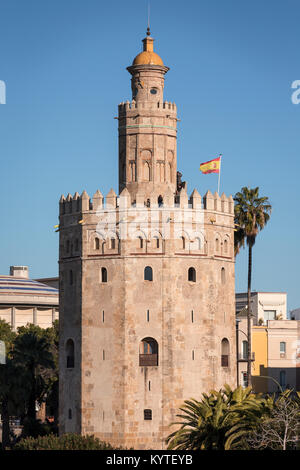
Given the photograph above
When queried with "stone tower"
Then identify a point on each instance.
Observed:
(147, 310)
(147, 129)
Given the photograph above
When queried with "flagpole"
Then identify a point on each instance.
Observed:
(219, 174)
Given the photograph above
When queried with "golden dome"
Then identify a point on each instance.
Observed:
(147, 57)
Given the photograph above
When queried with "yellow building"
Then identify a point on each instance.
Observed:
(260, 363)
(275, 355)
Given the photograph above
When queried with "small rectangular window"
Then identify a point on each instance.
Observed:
(192, 316)
(193, 355)
(282, 347)
(103, 316)
(244, 379)
(103, 275)
(147, 415)
(103, 355)
(269, 315)
(148, 315)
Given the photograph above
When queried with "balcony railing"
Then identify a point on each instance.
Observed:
(244, 357)
(148, 359)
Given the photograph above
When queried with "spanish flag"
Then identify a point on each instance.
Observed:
(213, 166)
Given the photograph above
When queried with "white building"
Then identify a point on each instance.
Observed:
(24, 300)
(264, 306)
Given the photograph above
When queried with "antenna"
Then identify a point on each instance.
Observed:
(148, 23)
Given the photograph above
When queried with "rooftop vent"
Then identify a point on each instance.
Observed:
(19, 271)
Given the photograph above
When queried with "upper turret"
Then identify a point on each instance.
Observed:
(147, 72)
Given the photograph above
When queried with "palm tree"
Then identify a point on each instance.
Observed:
(32, 352)
(220, 421)
(251, 215)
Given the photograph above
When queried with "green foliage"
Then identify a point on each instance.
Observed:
(29, 375)
(64, 442)
(35, 428)
(220, 421)
(7, 335)
(32, 352)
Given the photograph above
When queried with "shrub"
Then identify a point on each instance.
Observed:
(35, 428)
(64, 442)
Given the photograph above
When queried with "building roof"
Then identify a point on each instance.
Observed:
(148, 56)
(15, 289)
(259, 292)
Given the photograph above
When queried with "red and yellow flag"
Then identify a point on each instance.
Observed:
(213, 166)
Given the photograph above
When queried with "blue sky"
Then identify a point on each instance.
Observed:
(231, 68)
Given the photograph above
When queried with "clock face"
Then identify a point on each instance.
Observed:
(153, 91)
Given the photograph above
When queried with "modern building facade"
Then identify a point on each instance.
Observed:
(24, 300)
(275, 344)
(147, 306)
(264, 306)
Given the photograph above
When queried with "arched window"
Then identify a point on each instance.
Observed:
(282, 378)
(70, 413)
(148, 352)
(245, 349)
(112, 243)
(103, 275)
(160, 201)
(217, 245)
(132, 171)
(68, 246)
(147, 175)
(70, 353)
(192, 274)
(198, 244)
(225, 246)
(76, 244)
(71, 280)
(97, 244)
(183, 242)
(223, 276)
(141, 242)
(148, 273)
(225, 352)
(155, 242)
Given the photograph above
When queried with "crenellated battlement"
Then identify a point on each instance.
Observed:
(130, 105)
(83, 203)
